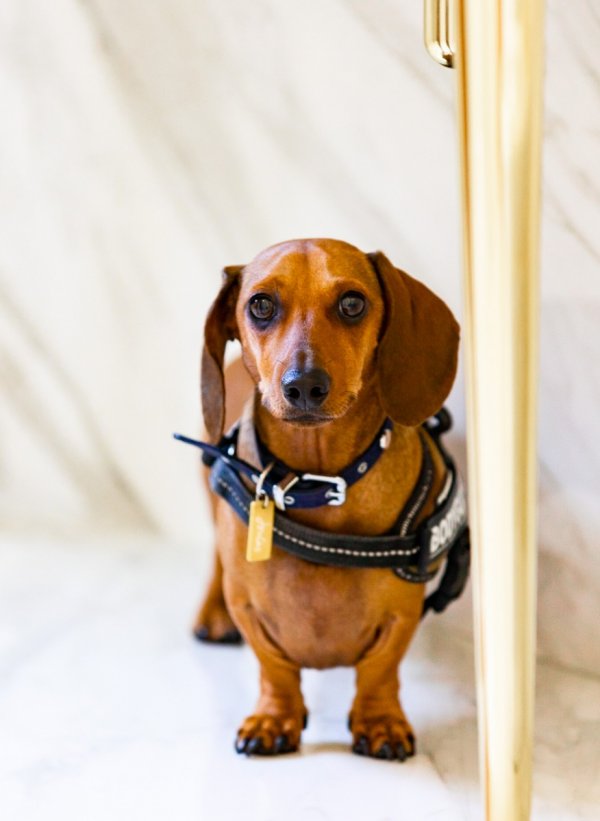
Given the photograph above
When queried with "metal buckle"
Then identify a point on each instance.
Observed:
(279, 497)
(337, 494)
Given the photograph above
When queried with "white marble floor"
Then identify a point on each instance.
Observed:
(110, 711)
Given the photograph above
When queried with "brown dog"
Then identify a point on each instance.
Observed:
(334, 341)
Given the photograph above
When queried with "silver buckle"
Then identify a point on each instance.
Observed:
(336, 494)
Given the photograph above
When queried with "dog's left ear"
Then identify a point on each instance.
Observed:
(418, 350)
(219, 328)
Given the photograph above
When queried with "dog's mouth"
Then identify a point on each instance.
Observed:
(307, 419)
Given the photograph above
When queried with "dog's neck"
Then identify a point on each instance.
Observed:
(325, 449)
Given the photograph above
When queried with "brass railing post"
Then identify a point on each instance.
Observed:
(499, 51)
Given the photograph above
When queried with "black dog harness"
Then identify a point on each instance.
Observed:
(413, 554)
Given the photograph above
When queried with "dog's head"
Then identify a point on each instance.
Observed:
(319, 321)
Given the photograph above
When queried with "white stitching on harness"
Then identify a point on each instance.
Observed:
(415, 508)
(321, 548)
(233, 493)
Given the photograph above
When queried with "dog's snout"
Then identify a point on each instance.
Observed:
(305, 389)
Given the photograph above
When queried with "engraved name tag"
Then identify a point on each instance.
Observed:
(260, 531)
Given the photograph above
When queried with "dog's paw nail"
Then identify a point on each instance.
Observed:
(305, 721)
(385, 751)
(362, 746)
(241, 744)
(253, 746)
(400, 752)
(413, 744)
(281, 744)
(231, 637)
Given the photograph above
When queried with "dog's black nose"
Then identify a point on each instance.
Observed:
(305, 389)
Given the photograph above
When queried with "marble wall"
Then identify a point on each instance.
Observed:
(144, 145)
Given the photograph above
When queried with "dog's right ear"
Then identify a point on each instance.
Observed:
(219, 328)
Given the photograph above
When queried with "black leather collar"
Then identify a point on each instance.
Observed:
(290, 488)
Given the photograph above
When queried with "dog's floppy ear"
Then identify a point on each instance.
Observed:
(418, 350)
(220, 327)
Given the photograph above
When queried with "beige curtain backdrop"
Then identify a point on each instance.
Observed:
(145, 145)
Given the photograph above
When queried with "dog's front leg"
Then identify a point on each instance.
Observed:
(280, 714)
(377, 721)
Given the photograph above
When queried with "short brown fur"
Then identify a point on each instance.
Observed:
(399, 360)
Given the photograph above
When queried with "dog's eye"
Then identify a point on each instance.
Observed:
(262, 307)
(352, 304)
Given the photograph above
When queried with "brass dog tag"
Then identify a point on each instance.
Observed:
(260, 530)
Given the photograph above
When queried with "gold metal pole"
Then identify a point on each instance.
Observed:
(498, 56)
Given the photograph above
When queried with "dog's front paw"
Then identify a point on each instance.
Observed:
(389, 736)
(264, 734)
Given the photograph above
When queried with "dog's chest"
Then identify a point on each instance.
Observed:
(322, 616)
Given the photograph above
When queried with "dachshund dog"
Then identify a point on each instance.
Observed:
(333, 342)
